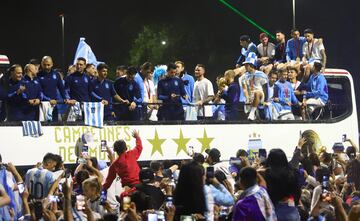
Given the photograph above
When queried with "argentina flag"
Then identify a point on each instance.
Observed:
(85, 51)
(94, 114)
(32, 128)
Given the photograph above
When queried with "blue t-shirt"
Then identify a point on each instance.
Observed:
(285, 93)
(294, 48)
(103, 90)
(317, 87)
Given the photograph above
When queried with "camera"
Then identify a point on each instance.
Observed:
(343, 137)
(169, 201)
(262, 154)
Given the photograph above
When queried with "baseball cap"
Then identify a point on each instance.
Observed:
(214, 154)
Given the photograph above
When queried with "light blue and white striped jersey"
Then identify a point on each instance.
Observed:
(39, 182)
(32, 128)
(94, 114)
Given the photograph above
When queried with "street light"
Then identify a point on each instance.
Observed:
(62, 17)
(293, 12)
(163, 42)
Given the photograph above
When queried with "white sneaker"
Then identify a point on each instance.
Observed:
(252, 115)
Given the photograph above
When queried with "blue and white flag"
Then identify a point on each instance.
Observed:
(84, 50)
(32, 128)
(94, 114)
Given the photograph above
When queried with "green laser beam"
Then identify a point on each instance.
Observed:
(246, 18)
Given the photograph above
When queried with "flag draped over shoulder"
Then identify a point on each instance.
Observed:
(84, 50)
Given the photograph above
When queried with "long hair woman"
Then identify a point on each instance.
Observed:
(189, 196)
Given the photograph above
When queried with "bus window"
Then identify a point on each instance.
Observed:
(339, 96)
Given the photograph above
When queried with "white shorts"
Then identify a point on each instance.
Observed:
(313, 103)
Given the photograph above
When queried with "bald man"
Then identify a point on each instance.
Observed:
(51, 83)
(25, 96)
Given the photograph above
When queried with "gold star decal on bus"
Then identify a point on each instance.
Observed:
(205, 141)
(156, 143)
(181, 142)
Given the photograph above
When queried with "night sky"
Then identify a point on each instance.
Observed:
(32, 29)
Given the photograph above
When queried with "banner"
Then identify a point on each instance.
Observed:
(166, 141)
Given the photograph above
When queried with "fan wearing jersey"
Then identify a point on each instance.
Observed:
(39, 180)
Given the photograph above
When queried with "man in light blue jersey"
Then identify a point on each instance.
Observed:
(316, 94)
(254, 84)
(145, 70)
(284, 96)
(294, 47)
(39, 180)
(187, 79)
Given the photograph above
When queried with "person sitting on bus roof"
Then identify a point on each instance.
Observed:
(294, 47)
(280, 52)
(317, 89)
(247, 46)
(284, 95)
(170, 90)
(254, 84)
(266, 52)
(24, 95)
(313, 49)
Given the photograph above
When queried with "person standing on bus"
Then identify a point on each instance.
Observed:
(231, 95)
(78, 84)
(203, 93)
(103, 90)
(51, 82)
(130, 97)
(24, 97)
(254, 84)
(316, 94)
(145, 69)
(187, 79)
(170, 90)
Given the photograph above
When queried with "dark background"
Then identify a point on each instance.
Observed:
(32, 28)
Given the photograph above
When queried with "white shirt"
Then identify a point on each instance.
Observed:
(267, 51)
(149, 90)
(202, 90)
(312, 50)
(114, 190)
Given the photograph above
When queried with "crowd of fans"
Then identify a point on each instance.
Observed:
(313, 185)
(272, 82)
